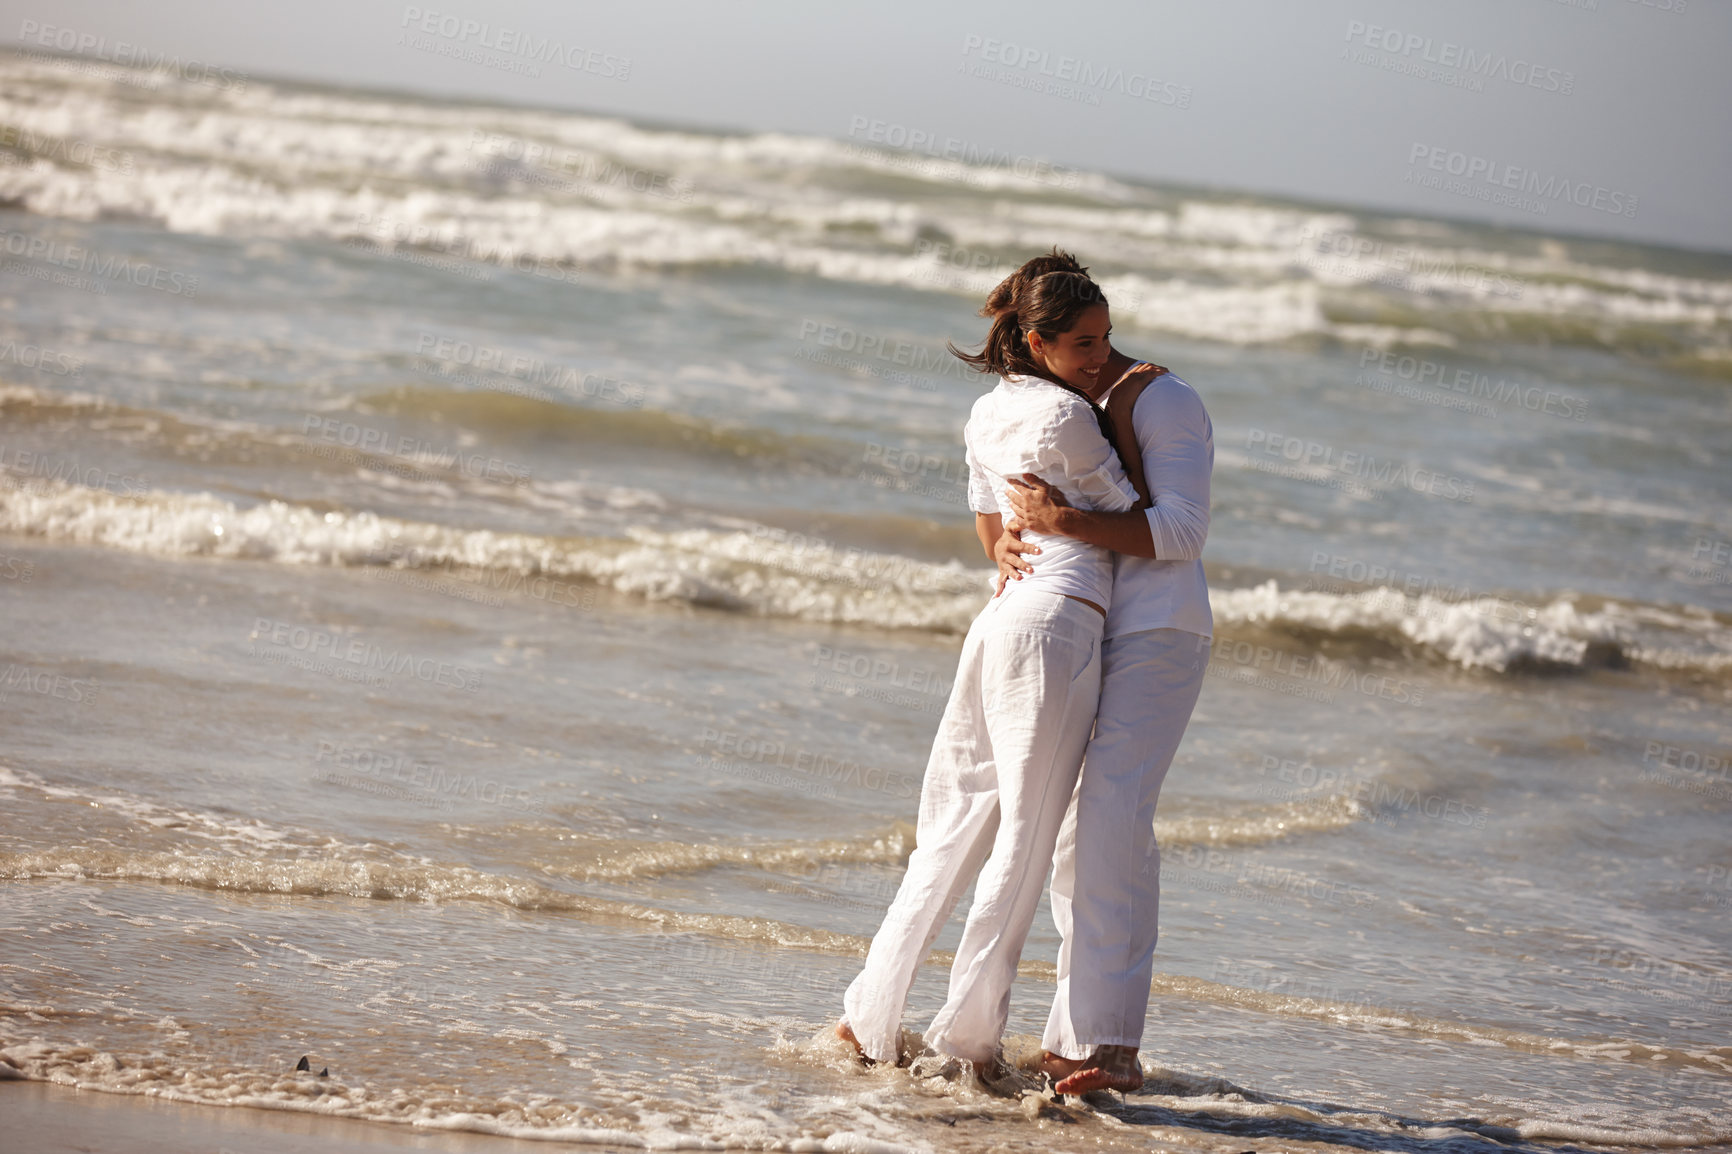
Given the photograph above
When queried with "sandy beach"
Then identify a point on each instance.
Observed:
(47, 1119)
(486, 546)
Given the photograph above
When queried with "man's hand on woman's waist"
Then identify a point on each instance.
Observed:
(1040, 508)
(1038, 505)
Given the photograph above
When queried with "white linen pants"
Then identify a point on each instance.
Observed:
(1000, 777)
(1106, 887)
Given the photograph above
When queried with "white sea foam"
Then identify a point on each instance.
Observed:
(888, 1106)
(638, 1121)
(743, 571)
(768, 573)
(1235, 314)
(232, 833)
(1491, 632)
(271, 160)
(1179, 1091)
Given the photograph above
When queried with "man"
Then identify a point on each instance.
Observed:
(1106, 882)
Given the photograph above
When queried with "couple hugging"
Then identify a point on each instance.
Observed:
(1073, 690)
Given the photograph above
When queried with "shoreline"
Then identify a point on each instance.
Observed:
(50, 1118)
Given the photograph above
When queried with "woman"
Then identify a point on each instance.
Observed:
(1011, 741)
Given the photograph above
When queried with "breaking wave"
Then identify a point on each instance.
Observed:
(772, 572)
(471, 188)
(1495, 633)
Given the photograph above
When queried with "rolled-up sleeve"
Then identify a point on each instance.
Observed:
(1076, 452)
(980, 495)
(1178, 444)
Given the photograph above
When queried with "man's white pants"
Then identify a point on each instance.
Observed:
(1000, 777)
(1106, 887)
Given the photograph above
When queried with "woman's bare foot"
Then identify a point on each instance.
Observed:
(846, 1032)
(1111, 1068)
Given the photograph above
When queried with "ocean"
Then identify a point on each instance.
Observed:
(478, 585)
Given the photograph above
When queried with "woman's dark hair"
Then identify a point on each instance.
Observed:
(1047, 295)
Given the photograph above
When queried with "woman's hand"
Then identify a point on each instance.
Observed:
(1007, 551)
(1139, 375)
(1037, 504)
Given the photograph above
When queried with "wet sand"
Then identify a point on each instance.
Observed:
(48, 1119)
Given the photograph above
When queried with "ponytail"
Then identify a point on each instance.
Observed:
(1046, 295)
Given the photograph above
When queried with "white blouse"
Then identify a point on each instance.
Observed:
(1027, 425)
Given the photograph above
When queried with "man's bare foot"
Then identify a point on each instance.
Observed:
(846, 1032)
(1111, 1068)
(1058, 1068)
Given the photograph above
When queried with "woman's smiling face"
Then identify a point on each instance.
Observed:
(1078, 357)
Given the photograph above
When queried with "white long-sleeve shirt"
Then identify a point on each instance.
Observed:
(1178, 446)
(1026, 425)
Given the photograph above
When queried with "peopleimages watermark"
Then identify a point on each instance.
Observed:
(1497, 182)
(497, 46)
(349, 658)
(64, 150)
(1270, 981)
(42, 359)
(1667, 981)
(771, 761)
(830, 561)
(1446, 62)
(1310, 676)
(913, 470)
(1276, 883)
(1348, 469)
(441, 248)
(334, 982)
(43, 683)
(454, 356)
(405, 778)
(444, 247)
(568, 169)
(847, 364)
(1718, 553)
(1436, 383)
(878, 679)
(874, 890)
(924, 151)
(1672, 6)
(332, 437)
(737, 960)
(1405, 266)
(1690, 770)
(1290, 781)
(955, 266)
(1067, 77)
(86, 268)
(409, 564)
(40, 472)
(880, 355)
(1426, 597)
(1719, 885)
(93, 48)
(464, 590)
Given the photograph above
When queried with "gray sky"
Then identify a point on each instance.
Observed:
(1626, 100)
